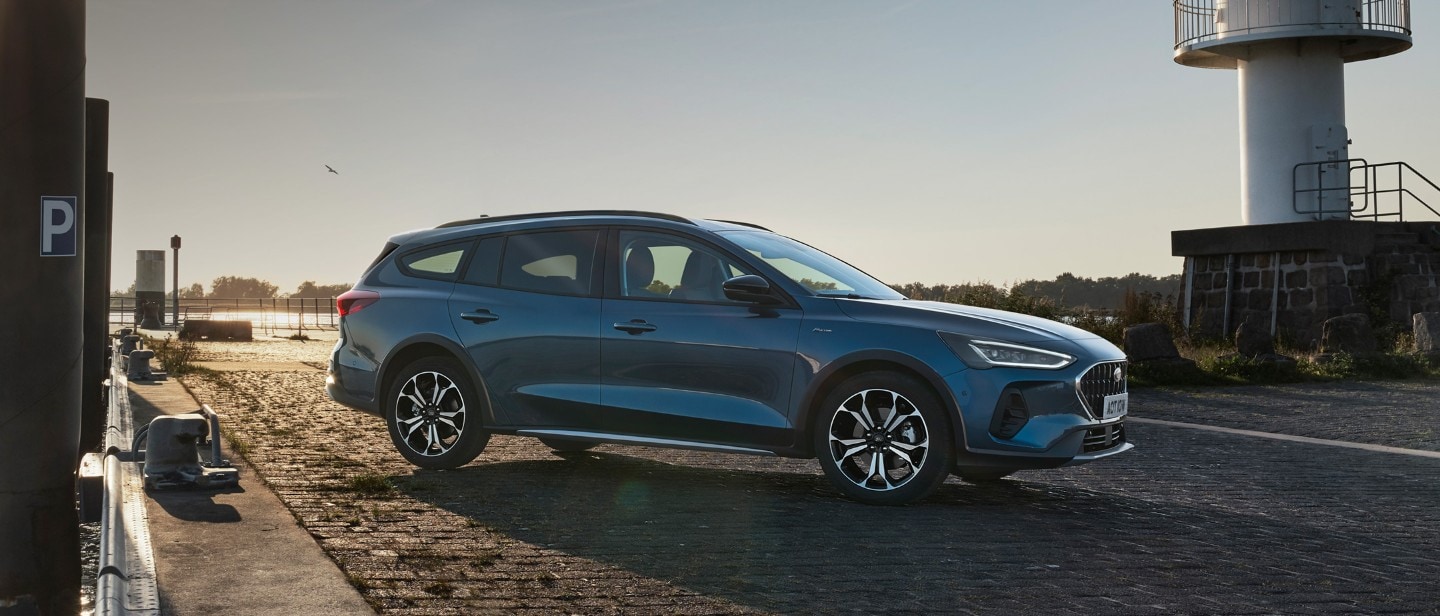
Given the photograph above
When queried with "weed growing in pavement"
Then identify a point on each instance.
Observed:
(440, 589)
(177, 356)
(486, 558)
(370, 484)
(238, 445)
(547, 578)
(358, 582)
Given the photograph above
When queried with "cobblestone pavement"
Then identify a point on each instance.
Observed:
(1191, 522)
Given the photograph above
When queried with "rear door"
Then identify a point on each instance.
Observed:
(528, 312)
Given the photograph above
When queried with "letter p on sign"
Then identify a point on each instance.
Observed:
(57, 226)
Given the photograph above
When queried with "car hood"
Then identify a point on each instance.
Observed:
(962, 319)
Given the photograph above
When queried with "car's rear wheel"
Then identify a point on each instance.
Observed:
(884, 438)
(434, 416)
(564, 445)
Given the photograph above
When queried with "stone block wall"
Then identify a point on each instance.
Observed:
(1396, 272)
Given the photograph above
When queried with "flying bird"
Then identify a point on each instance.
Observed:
(331, 170)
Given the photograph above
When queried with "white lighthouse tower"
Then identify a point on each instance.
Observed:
(1291, 55)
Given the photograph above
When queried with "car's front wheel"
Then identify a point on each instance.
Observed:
(884, 438)
(434, 416)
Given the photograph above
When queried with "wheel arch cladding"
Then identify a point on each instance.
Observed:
(815, 396)
(416, 350)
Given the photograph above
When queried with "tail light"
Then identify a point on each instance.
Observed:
(355, 300)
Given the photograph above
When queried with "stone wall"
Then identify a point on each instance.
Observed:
(1392, 273)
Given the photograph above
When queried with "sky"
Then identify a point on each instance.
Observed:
(938, 141)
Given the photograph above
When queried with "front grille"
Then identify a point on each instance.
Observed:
(1100, 381)
(1104, 437)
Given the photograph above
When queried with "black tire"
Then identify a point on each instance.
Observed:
(853, 425)
(565, 445)
(985, 475)
(434, 414)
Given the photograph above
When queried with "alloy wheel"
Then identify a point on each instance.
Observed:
(878, 439)
(430, 413)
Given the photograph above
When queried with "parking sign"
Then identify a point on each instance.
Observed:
(57, 226)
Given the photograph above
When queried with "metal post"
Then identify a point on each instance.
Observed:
(97, 273)
(175, 282)
(42, 240)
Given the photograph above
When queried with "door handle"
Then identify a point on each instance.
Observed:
(635, 327)
(480, 316)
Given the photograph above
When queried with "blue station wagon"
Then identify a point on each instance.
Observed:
(636, 328)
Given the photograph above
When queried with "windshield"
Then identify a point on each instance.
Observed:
(818, 272)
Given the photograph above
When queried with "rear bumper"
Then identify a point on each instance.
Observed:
(338, 393)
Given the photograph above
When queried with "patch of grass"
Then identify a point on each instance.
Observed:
(370, 484)
(440, 589)
(547, 578)
(1216, 363)
(300, 337)
(486, 558)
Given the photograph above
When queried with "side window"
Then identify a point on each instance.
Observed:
(442, 262)
(550, 262)
(484, 267)
(662, 266)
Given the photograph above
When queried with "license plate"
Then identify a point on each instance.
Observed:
(1116, 406)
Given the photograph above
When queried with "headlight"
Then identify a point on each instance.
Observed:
(982, 354)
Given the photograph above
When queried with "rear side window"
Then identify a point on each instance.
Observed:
(551, 262)
(484, 266)
(442, 262)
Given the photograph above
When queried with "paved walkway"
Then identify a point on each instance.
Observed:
(1192, 522)
(235, 551)
(1256, 500)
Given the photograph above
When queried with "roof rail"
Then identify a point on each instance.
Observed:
(568, 213)
(743, 224)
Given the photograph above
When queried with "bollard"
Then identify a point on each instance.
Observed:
(138, 368)
(172, 452)
(128, 344)
(171, 455)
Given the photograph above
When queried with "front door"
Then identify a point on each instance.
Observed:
(680, 361)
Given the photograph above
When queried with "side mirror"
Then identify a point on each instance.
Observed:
(750, 288)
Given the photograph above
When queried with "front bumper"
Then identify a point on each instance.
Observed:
(1033, 419)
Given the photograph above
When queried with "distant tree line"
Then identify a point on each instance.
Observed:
(241, 287)
(1066, 291)
(1105, 306)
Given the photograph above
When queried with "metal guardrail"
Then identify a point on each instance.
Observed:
(125, 584)
(265, 313)
(1198, 21)
(1377, 194)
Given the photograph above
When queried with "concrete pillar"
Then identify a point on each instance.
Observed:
(97, 272)
(1292, 111)
(42, 157)
(150, 288)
